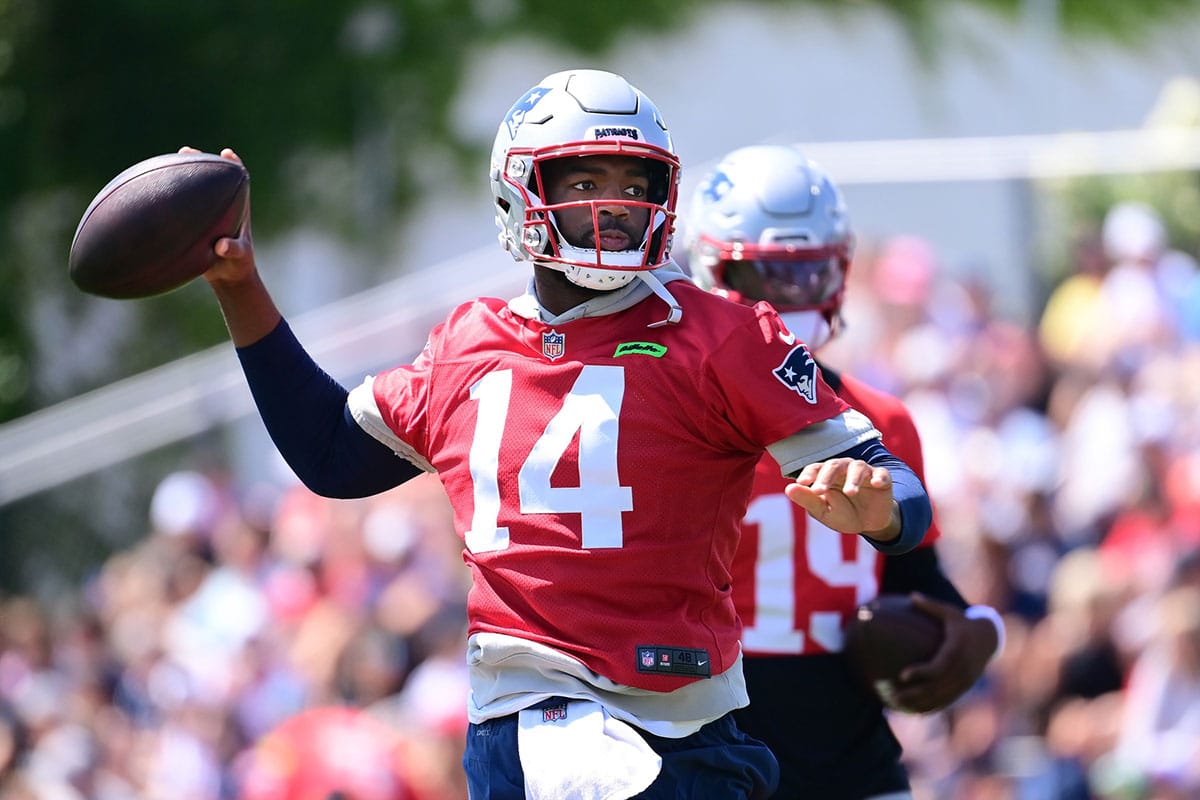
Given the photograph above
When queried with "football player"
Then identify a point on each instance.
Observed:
(767, 224)
(597, 438)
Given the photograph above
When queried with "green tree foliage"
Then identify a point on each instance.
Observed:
(323, 99)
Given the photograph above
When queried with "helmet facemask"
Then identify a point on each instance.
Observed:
(575, 252)
(806, 285)
(583, 114)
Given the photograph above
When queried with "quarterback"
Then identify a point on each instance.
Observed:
(597, 438)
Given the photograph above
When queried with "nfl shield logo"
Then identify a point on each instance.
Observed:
(647, 658)
(553, 345)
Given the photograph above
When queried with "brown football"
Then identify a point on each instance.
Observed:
(888, 634)
(152, 228)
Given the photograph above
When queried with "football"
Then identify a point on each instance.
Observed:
(152, 228)
(888, 634)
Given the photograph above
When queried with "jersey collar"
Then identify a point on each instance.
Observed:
(528, 307)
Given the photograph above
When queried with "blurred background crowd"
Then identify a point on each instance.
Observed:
(258, 640)
(179, 620)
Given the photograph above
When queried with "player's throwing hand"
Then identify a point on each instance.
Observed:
(848, 495)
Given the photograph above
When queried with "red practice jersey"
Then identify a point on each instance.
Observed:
(796, 582)
(599, 469)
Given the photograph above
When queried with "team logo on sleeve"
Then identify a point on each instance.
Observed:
(553, 344)
(799, 372)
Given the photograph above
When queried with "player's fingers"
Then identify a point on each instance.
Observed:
(887, 693)
(918, 701)
(832, 474)
(807, 475)
(907, 701)
(881, 478)
(228, 248)
(823, 505)
(858, 474)
(939, 669)
(244, 232)
(231, 155)
(935, 671)
(934, 608)
(186, 149)
(807, 498)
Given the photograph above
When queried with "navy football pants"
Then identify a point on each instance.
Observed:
(718, 762)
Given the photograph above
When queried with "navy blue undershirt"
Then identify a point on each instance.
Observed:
(305, 412)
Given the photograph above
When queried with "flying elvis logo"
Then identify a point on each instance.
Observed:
(613, 132)
(516, 114)
(716, 186)
(799, 372)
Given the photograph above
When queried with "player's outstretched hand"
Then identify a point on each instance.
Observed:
(235, 257)
(967, 646)
(848, 495)
(250, 312)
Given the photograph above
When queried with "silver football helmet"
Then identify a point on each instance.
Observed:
(581, 113)
(768, 224)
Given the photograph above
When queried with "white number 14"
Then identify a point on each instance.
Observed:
(591, 408)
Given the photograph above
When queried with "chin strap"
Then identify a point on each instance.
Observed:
(676, 313)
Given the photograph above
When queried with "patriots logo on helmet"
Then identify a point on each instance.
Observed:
(516, 114)
(717, 186)
(799, 372)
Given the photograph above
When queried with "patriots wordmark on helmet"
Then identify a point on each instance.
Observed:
(610, 131)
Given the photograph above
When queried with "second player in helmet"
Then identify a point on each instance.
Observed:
(768, 224)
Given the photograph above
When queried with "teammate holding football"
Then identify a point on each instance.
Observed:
(767, 224)
(597, 438)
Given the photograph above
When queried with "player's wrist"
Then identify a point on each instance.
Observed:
(890, 533)
(990, 614)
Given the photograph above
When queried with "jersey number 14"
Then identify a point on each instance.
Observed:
(592, 409)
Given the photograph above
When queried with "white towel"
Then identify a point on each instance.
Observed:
(577, 751)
